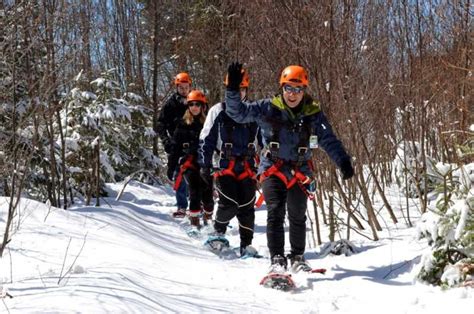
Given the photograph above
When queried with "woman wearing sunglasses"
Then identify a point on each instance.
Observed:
(292, 124)
(185, 144)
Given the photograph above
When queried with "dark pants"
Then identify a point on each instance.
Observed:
(199, 191)
(279, 199)
(236, 198)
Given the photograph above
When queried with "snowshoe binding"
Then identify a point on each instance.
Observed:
(298, 263)
(220, 246)
(278, 281)
(217, 243)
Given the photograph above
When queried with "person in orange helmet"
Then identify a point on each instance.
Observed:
(171, 114)
(184, 151)
(292, 124)
(231, 149)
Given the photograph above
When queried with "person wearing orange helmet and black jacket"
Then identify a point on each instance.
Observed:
(171, 114)
(291, 123)
(184, 151)
(173, 109)
(233, 147)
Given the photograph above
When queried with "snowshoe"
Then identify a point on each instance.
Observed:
(194, 232)
(179, 213)
(277, 277)
(217, 243)
(279, 281)
(249, 252)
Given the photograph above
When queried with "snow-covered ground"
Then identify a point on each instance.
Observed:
(129, 256)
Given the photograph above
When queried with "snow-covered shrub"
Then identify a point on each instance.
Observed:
(407, 170)
(449, 228)
(108, 122)
(23, 140)
(141, 135)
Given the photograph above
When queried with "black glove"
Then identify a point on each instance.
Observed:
(170, 173)
(235, 76)
(205, 174)
(346, 169)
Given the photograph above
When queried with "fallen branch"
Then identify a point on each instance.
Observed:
(75, 259)
(130, 177)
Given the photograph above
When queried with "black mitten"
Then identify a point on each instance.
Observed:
(235, 76)
(346, 169)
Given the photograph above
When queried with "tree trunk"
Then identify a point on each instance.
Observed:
(155, 77)
(373, 223)
(97, 191)
(316, 221)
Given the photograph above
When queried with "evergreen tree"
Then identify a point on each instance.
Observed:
(110, 123)
(449, 227)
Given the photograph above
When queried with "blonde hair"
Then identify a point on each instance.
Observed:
(189, 118)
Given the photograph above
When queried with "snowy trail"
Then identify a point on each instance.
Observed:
(136, 259)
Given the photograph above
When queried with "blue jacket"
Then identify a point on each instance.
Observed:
(279, 124)
(220, 130)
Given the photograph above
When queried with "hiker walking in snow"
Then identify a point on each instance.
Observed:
(233, 147)
(291, 123)
(184, 151)
(170, 115)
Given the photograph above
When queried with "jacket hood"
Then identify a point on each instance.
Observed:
(310, 106)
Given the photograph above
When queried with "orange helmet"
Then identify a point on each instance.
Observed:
(245, 79)
(182, 77)
(196, 95)
(294, 75)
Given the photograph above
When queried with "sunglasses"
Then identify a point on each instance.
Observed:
(194, 103)
(293, 89)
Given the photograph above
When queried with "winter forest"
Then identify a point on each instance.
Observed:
(82, 84)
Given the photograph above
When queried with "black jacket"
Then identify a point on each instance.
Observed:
(185, 142)
(171, 114)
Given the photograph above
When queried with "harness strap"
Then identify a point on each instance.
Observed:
(298, 178)
(188, 164)
(260, 199)
(247, 173)
(229, 171)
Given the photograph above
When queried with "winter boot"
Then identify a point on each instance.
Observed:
(298, 263)
(247, 251)
(179, 213)
(194, 218)
(279, 264)
(207, 217)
